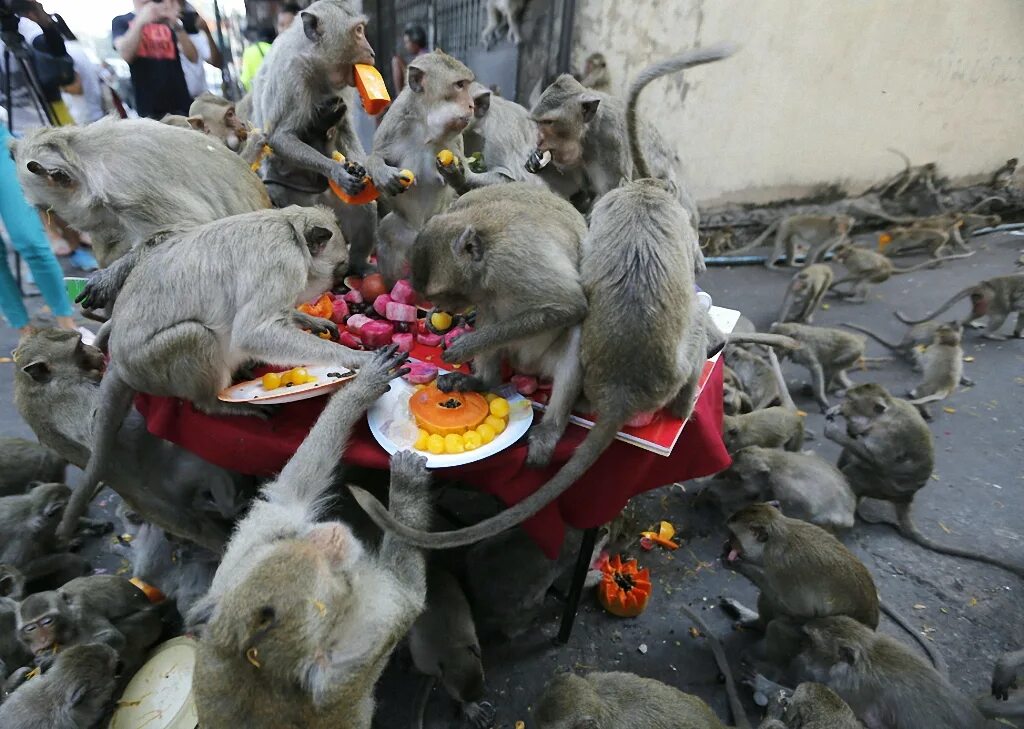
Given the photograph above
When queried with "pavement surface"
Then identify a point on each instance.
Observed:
(972, 612)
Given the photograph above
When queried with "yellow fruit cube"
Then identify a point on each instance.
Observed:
(499, 407)
(422, 438)
(446, 157)
(497, 423)
(454, 444)
(486, 432)
(435, 444)
(441, 321)
(472, 440)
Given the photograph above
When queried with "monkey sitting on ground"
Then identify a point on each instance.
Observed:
(827, 353)
(773, 427)
(883, 682)
(995, 298)
(755, 375)
(868, 267)
(806, 290)
(586, 130)
(205, 302)
(501, 13)
(215, 115)
(811, 706)
(301, 617)
(56, 390)
(595, 74)
(919, 335)
(22, 462)
(74, 694)
(888, 454)
(428, 116)
(444, 646)
(942, 365)
(123, 181)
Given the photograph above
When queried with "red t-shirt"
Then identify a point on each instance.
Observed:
(157, 77)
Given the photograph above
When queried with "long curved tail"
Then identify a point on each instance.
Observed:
(739, 716)
(956, 297)
(929, 648)
(115, 400)
(933, 262)
(673, 64)
(864, 330)
(757, 241)
(909, 530)
(585, 455)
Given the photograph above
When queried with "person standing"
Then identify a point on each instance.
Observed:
(414, 42)
(199, 33)
(151, 40)
(253, 57)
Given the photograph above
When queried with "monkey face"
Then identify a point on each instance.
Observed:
(562, 141)
(339, 33)
(948, 335)
(47, 355)
(48, 501)
(863, 405)
(443, 86)
(834, 641)
(445, 260)
(41, 624)
(750, 528)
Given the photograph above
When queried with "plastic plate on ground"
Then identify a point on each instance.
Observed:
(328, 379)
(395, 428)
(159, 696)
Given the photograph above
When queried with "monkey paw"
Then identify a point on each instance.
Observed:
(348, 178)
(454, 173)
(393, 183)
(543, 440)
(460, 350)
(98, 293)
(479, 715)
(383, 366)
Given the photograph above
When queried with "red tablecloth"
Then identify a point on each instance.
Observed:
(261, 448)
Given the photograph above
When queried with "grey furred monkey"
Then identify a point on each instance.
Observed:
(238, 306)
(301, 618)
(595, 73)
(28, 541)
(942, 367)
(56, 391)
(866, 268)
(811, 706)
(821, 233)
(826, 352)
(74, 694)
(772, 427)
(123, 181)
(806, 290)
(499, 13)
(997, 298)
(22, 462)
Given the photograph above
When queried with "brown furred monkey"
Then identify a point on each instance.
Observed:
(995, 298)
(811, 706)
(826, 352)
(821, 233)
(124, 181)
(868, 267)
(806, 290)
(301, 617)
(28, 541)
(772, 427)
(236, 283)
(889, 454)
(501, 13)
(595, 73)
(942, 365)
(216, 116)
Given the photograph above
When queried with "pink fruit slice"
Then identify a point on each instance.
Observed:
(404, 342)
(401, 312)
(420, 373)
(376, 333)
(525, 384)
(349, 340)
(356, 322)
(402, 292)
(380, 304)
(428, 339)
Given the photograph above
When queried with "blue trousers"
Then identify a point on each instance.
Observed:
(28, 238)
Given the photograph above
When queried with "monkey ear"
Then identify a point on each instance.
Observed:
(311, 26)
(880, 406)
(469, 245)
(77, 694)
(197, 123)
(8, 585)
(316, 239)
(36, 169)
(482, 104)
(38, 371)
(56, 174)
(415, 79)
(588, 106)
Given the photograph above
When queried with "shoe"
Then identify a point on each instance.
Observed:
(83, 260)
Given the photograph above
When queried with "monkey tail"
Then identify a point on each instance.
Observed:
(769, 340)
(422, 699)
(739, 715)
(990, 198)
(933, 654)
(878, 212)
(756, 242)
(787, 399)
(933, 262)
(864, 330)
(676, 63)
(115, 400)
(909, 530)
(585, 455)
(901, 155)
(956, 297)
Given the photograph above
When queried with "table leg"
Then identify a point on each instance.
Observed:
(579, 576)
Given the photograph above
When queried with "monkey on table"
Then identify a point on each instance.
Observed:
(22, 462)
(820, 233)
(888, 454)
(997, 298)
(826, 352)
(200, 305)
(123, 181)
(56, 391)
(806, 290)
(867, 268)
(75, 692)
(428, 116)
(301, 617)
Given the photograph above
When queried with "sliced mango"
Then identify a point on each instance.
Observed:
(371, 88)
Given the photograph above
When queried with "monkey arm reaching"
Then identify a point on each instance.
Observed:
(266, 339)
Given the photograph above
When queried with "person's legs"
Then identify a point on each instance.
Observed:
(10, 297)
(27, 237)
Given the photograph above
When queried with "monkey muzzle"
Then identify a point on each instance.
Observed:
(732, 552)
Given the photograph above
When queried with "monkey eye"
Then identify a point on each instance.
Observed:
(460, 85)
(46, 621)
(29, 628)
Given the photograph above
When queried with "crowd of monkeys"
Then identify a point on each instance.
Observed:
(295, 615)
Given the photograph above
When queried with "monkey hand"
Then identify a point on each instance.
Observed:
(454, 173)
(317, 325)
(459, 351)
(537, 161)
(99, 292)
(349, 177)
(543, 439)
(409, 495)
(834, 429)
(384, 366)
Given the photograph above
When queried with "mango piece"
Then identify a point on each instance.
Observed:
(407, 177)
(454, 444)
(486, 432)
(422, 438)
(441, 321)
(472, 440)
(435, 444)
(272, 380)
(499, 407)
(371, 88)
(446, 157)
(497, 423)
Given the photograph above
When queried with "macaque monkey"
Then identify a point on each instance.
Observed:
(124, 181)
(12, 653)
(942, 364)
(914, 239)
(584, 129)
(995, 298)
(755, 376)
(773, 427)
(1002, 177)
(595, 74)
(867, 268)
(301, 617)
(236, 307)
(1003, 703)
(919, 335)
(888, 454)
(826, 352)
(76, 692)
(444, 646)
(22, 462)
(735, 399)
(806, 290)
(428, 116)
(501, 13)
(28, 541)
(820, 233)
(214, 115)
(811, 706)
(884, 683)
(56, 391)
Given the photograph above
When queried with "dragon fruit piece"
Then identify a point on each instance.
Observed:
(356, 322)
(401, 312)
(420, 373)
(376, 333)
(380, 304)
(349, 340)
(402, 292)
(404, 342)
(525, 384)
(428, 339)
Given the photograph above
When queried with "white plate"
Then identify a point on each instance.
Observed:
(253, 391)
(159, 696)
(392, 410)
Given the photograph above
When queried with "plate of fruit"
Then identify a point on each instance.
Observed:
(299, 383)
(449, 428)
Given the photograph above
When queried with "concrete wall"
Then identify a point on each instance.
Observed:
(820, 88)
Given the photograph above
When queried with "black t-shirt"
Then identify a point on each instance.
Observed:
(157, 77)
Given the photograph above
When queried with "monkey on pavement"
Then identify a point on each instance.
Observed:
(884, 683)
(75, 692)
(301, 617)
(995, 298)
(868, 267)
(812, 706)
(123, 181)
(918, 335)
(237, 306)
(888, 454)
(942, 365)
(22, 462)
(781, 426)
(806, 290)
(826, 352)
(821, 233)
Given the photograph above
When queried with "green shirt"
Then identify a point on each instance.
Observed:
(252, 59)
